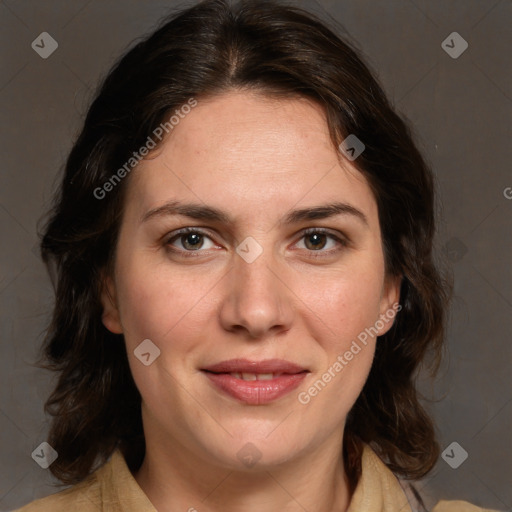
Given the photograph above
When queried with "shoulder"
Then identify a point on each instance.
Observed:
(82, 497)
(111, 485)
(459, 506)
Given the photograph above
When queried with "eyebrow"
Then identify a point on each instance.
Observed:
(208, 213)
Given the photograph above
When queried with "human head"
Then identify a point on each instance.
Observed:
(212, 48)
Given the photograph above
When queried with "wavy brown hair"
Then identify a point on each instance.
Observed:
(201, 51)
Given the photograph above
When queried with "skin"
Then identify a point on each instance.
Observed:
(256, 158)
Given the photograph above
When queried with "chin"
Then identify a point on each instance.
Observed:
(256, 449)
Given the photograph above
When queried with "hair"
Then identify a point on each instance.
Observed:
(208, 49)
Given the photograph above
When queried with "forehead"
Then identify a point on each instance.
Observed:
(246, 152)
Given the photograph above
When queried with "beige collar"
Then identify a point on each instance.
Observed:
(378, 490)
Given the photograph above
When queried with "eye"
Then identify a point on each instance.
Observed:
(190, 239)
(317, 239)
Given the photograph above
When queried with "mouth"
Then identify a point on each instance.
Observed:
(255, 382)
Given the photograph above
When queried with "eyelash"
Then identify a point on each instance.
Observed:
(320, 253)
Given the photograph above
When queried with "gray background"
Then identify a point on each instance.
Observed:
(461, 110)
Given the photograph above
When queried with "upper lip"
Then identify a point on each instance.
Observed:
(248, 366)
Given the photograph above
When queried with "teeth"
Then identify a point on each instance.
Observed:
(254, 376)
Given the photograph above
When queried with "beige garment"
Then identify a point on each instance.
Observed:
(112, 488)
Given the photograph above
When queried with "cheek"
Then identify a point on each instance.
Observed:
(162, 304)
(345, 302)
(171, 313)
(348, 307)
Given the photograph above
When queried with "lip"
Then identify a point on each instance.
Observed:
(248, 366)
(255, 392)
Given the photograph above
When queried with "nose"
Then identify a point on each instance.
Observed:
(258, 302)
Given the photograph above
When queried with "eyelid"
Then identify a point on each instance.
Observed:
(186, 230)
(326, 231)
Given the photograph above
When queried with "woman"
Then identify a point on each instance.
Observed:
(242, 253)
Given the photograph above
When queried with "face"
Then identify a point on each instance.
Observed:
(284, 299)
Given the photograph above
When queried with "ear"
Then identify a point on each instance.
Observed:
(110, 317)
(389, 303)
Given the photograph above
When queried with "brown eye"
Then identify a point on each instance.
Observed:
(190, 240)
(315, 241)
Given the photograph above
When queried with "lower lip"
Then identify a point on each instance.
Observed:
(256, 392)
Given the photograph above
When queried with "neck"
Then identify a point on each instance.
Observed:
(176, 479)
